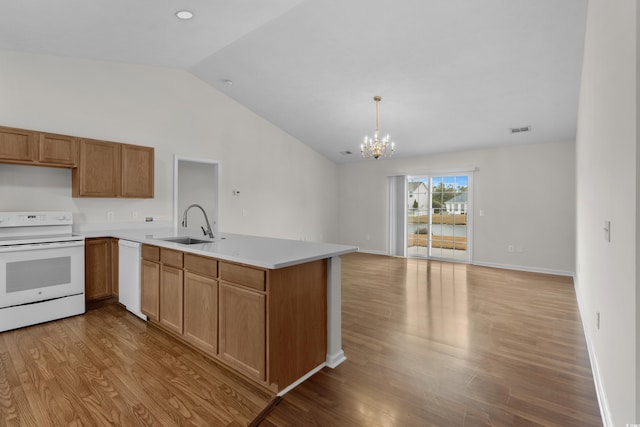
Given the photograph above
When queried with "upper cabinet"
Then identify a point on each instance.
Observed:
(17, 145)
(60, 150)
(28, 147)
(99, 168)
(137, 171)
(110, 169)
(98, 171)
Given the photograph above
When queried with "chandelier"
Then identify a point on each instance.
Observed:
(374, 147)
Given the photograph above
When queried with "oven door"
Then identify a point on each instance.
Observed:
(40, 272)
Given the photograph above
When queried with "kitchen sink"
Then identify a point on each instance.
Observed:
(185, 240)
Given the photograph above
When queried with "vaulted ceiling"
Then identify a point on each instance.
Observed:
(452, 74)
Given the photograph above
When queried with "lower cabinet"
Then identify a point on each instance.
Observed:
(150, 288)
(98, 269)
(171, 298)
(243, 329)
(268, 325)
(201, 311)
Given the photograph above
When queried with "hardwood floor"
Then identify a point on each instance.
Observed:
(428, 344)
(108, 367)
(441, 344)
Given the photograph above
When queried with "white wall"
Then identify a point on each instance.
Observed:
(607, 189)
(526, 193)
(287, 188)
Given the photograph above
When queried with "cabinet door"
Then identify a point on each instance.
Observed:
(97, 254)
(171, 298)
(201, 311)
(57, 150)
(242, 322)
(137, 171)
(150, 288)
(98, 171)
(17, 145)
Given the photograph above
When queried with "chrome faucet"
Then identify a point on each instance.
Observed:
(208, 232)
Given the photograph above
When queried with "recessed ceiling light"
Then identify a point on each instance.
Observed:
(184, 14)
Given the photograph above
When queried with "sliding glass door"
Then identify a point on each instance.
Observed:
(437, 216)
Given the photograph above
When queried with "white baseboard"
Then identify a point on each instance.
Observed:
(334, 360)
(372, 252)
(301, 380)
(603, 402)
(525, 268)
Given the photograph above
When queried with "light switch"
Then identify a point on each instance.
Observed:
(607, 231)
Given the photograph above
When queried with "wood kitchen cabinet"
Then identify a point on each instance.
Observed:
(171, 297)
(242, 335)
(242, 318)
(268, 325)
(98, 171)
(98, 274)
(110, 169)
(137, 171)
(57, 150)
(150, 282)
(201, 302)
(28, 147)
(171, 289)
(17, 145)
(98, 168)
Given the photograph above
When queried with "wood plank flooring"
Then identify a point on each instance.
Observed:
(428, 344)
(442, 344)
(108, 367)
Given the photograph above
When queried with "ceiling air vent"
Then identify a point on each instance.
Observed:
(522, 129)
(346, 153)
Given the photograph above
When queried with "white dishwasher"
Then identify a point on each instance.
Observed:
(129, 276)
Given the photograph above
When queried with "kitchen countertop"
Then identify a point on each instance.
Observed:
(266, 252)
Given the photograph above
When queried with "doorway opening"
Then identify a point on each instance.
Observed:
(437, 221)
(196, 181)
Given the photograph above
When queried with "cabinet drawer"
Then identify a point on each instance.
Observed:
(171, 257)
(151, 253)
(243, 275)
(199, 264)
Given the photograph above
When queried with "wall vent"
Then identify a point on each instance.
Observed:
(521, 129)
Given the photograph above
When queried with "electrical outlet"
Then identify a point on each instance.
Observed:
(510, 249)
(134, 215)
(110, 216)
(519, 248)
(367, 237)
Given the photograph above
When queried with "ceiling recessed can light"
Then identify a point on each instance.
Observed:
(184, 14)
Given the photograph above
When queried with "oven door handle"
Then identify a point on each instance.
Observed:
(36, 246)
